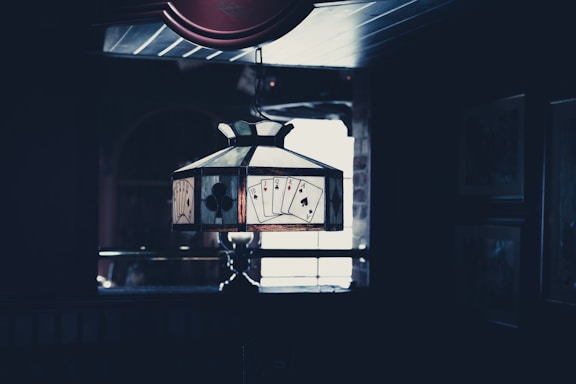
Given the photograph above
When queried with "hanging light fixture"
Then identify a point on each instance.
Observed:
(255, 184)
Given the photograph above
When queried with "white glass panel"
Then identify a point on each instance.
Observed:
(334, 266)
(232, 158)
(289, 266)
(202, 161)
(268, 128)
(226, 130)
(277, 157)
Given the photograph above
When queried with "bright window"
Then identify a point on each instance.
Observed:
(326, 141)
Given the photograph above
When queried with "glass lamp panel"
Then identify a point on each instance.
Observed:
(285, 200)
(232, 158)
(226, 130)
(266, 156)
(335, 201)
(268, 128)
(242, 128)
(199, 163)
(219, 195)
(183, 201)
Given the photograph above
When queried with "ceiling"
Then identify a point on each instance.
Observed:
(339, 34)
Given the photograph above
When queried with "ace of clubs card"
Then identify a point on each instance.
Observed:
(306, 200)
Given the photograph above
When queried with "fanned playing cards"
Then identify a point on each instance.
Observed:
(285, 199)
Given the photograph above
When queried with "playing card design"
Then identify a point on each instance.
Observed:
(183, 201)
(305, 201)
(255, 193)
(278, 194)
(285, 200)
(289, 192)
(267, 198)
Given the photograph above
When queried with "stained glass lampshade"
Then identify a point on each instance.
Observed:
(255, 184)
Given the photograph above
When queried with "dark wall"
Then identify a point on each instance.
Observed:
(49, 151)
(418, 99)
(53, 99)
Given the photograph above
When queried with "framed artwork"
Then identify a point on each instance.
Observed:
(491, 158)
(559, 283)
(487, 269)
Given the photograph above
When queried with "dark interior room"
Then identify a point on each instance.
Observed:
(431, 234)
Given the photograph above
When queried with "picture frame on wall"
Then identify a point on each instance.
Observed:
(559, 283)
(491, 152)
(488, 269)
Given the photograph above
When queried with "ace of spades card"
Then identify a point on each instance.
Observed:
(305, 202)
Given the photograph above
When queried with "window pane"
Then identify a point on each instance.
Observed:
(326, 141)
(334, 266)
(288, 266)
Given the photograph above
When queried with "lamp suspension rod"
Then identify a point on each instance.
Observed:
(258, 85)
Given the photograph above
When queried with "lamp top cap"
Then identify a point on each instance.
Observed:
(261, 128)
(265, 132)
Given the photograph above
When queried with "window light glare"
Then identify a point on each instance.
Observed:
(110, 30)
(109, 253)
(192, 51)
(104, 281)
(213, 55)
(171, 46)
(150, 40)
(246, 51)
(386, 13)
